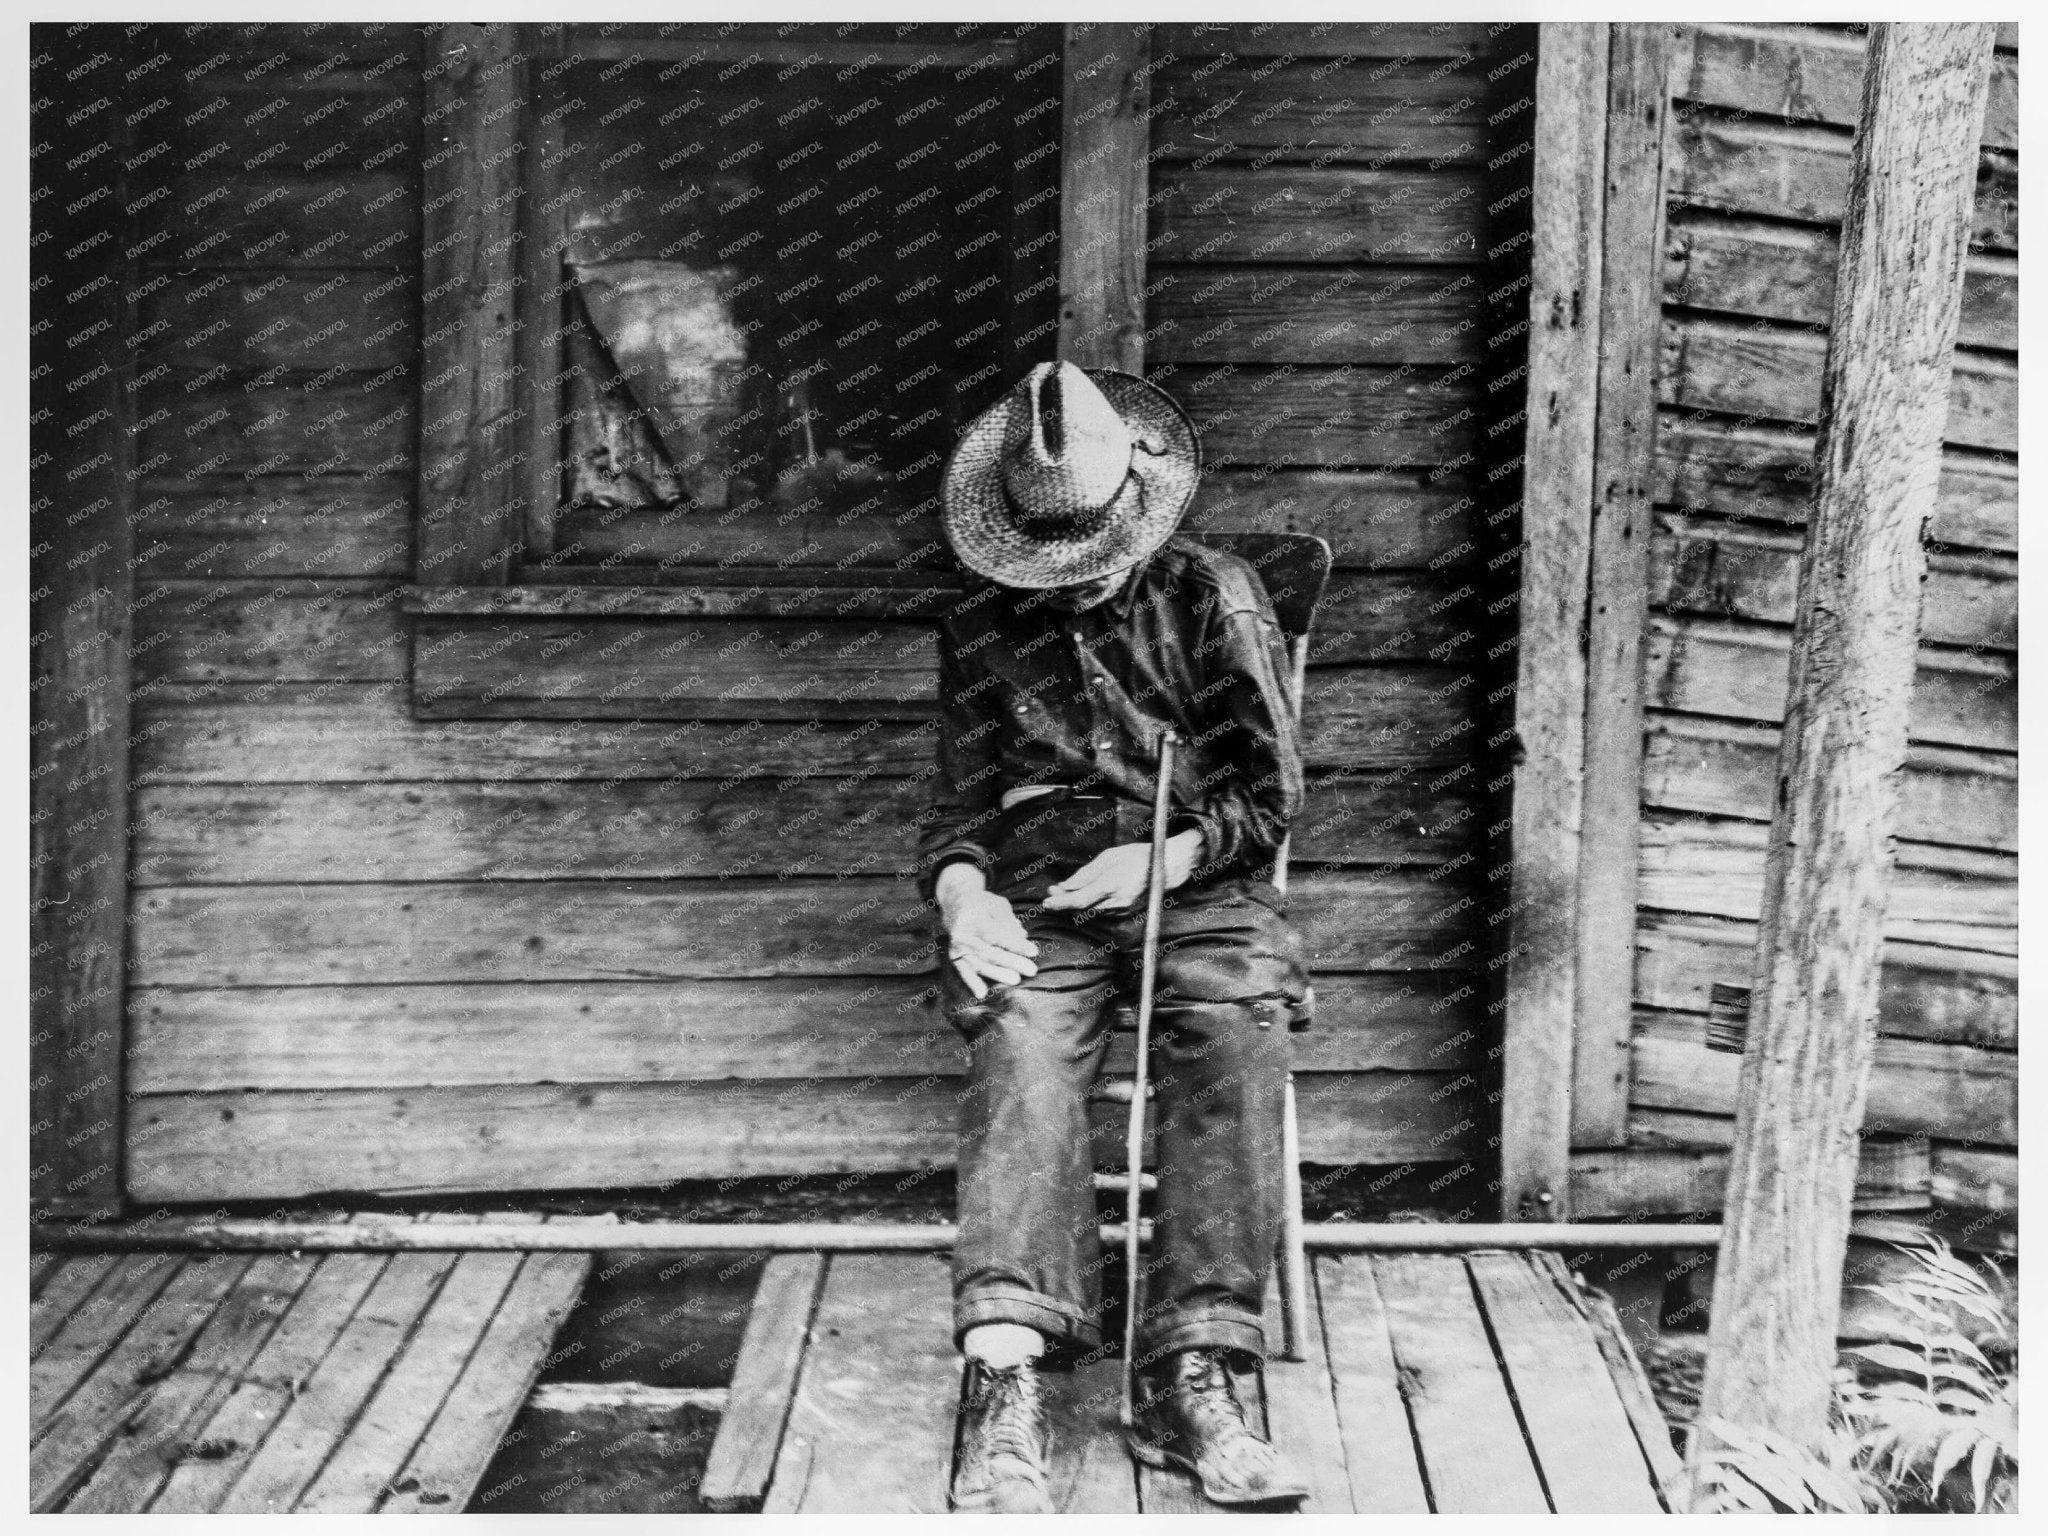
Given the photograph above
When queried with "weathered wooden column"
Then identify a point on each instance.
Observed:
(1813, 1013)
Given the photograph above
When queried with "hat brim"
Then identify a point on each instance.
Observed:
(1166, 466)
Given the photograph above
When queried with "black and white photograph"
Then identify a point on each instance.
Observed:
(885, 761)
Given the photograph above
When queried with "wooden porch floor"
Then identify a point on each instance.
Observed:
(270, 1382)
(1479, 1382)
(367, 1382)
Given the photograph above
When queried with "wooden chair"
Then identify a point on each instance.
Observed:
(1295, 568)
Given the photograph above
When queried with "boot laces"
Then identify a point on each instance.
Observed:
(1008, 1402)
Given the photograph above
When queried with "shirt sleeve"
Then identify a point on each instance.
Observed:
(1244, 814)
(967, 794)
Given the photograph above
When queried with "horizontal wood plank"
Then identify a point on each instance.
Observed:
(264, 631)
(286, 526)
(204, 219)
(1298, 109)
(280, 428)
(1957, 897)
(1234, 214)
(1917, 1087)
(339, 730)
(1664, 1180)
(1726, 768)
(1328, 39)
(1700, 565)
(1802, 172)
(297, 935)
(290, 50)
(633, 1135)
(1787, 272)
(346, 120)
(1305, 315)
(186, 1040)
(1373, 519)
(1977, 1178)
(1807, 74)
(1705, 464)
(652, 829)
(1924, 992)
(1758, 369)
(358, 321)
(1714, 667)
(1328, 416)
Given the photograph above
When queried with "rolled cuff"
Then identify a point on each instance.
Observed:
(1202, 1328)
(1009, 1303)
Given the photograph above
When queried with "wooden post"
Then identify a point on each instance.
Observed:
(1812, 1027)
(82, 480)
(1624, 447)
(470, 519)
(1103, 165)
(1540, 993)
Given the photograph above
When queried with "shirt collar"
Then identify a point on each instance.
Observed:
(1118, 605)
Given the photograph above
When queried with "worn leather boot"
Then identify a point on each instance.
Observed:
(1187, 1414)
(999, 1463)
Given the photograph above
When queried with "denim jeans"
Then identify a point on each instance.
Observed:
(1230, 984)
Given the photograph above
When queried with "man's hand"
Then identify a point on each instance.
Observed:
(984, 940)
(1114, 880)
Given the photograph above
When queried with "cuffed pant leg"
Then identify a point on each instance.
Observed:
(1028, 1250)
(1221, 1067)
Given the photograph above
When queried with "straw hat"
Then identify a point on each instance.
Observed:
(1073, 474)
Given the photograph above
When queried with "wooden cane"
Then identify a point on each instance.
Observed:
(1134, 1139)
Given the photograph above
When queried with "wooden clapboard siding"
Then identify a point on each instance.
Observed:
(1334, 214)
(1323, 40)
(230, 527)
(407, 1036)
(1373, 518)
(1763, 471)
(281, 428)
(281, 222)
(1654, 1178)
(1746, 266)
(293, 51)
(256, 631)
(206, 1146)
(1808, 74)
(1716, 667)
(490, 905)
(1759, 368)
(1801, 171)
(1979, 1177)
(1723, 768)
(1262, 314)
(1328, 416)
(341, 121)
(339, 730)
(1416, 110)
(306, 321)
(1699, 565)
(651, 829)
(1917, 1087)
(1963, 898)
(1925, 991)
(301, 935)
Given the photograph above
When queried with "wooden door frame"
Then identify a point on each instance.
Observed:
(82, 482)
(1595, 294)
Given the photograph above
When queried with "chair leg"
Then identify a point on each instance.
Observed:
(1293, 1255)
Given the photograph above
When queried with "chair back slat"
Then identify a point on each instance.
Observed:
(1295, 568)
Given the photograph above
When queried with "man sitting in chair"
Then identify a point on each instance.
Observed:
(1100, 627)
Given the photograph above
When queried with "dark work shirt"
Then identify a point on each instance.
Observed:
(1030, 694)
